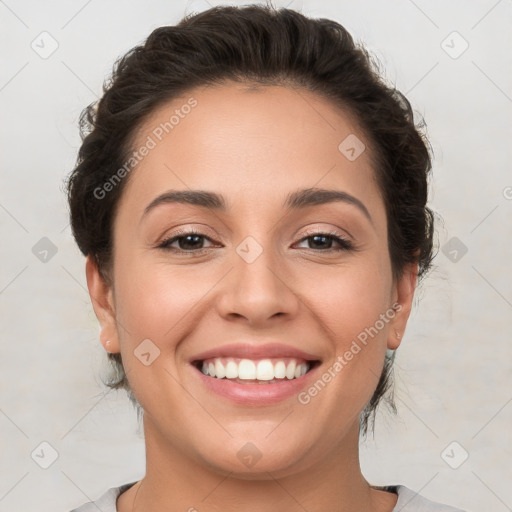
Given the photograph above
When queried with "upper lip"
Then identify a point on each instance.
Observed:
(250, 351)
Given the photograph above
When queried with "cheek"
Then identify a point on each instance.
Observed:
(155, 299)
(155, 303)
(353, 307)
(349, 299)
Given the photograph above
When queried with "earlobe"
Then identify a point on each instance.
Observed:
(103, 305)
(403, 295)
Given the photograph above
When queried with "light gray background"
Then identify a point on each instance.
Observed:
(453, 368)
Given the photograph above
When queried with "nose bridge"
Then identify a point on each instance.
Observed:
(254, 262)
(256, 287)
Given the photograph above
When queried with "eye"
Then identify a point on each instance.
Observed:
(188, 241)
(322, 239)
(191, 241)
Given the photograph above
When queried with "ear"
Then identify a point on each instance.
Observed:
(402, 296)
(102, 301)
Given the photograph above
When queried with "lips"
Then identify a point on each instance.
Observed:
(255, 375)
(255, 352)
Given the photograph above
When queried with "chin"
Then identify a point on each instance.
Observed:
(256, 459)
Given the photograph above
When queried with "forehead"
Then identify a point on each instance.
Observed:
(249, 144)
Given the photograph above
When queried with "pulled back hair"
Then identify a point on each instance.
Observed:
(255, 45)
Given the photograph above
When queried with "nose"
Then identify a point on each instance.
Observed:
(258, 292)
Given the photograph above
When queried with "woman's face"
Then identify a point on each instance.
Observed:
(261, 280)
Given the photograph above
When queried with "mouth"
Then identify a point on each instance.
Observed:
(255, 371)
(254, 375)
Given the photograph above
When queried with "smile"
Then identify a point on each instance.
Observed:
(263, 371)
(254, 375)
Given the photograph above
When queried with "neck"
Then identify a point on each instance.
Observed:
(174, 481)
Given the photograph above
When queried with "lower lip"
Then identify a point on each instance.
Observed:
(256, 394)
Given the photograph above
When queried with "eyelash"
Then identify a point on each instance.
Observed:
(345, 245)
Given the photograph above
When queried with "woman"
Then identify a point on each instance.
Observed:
(251, 198)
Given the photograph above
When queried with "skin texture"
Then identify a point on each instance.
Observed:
(254, 146)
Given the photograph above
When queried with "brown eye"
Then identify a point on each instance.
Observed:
(321, 240)
(188, 241)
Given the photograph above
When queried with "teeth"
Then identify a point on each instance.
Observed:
(265, 370)
(247, 369)
(290, 370)
(280, 370)
(231, 370)
(220, 371)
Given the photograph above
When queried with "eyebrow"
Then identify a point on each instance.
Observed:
(296, 200)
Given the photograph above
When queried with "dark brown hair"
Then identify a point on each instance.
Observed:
(255, 45)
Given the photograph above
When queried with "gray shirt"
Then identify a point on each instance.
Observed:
(408, 501)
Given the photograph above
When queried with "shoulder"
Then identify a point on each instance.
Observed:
(410, 501)
(106, 502)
